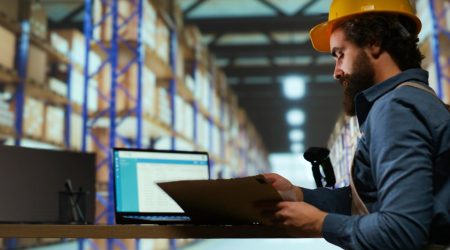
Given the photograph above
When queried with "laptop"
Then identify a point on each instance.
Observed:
(138, 199)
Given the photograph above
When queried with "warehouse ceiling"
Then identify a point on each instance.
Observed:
(259, 43)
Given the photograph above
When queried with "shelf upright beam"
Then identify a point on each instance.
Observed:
(88, 33)
(172, 93)
(68, 106)
(173, 82)
(114, 57)
(119, 68)
(195, 102)
(222, 133)
(22, 62)
(436, 47)
(140, 50)
(211, 120)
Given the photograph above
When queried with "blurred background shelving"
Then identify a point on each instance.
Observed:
(236, 78)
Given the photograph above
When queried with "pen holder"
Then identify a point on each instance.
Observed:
(72, 207)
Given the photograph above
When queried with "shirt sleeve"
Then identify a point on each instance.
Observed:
(400, 158)
(331, 201)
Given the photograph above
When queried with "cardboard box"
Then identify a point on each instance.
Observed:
(162, 40)
(104, 86)
(130, 30)
(7, 48)
(163, 105)
(129, 81)
(102, 134)
(77, 87)
(6, 116)
(76, 131)
(33, 118)
(193, 40)
(77, 90)
(149, 92)
(10, 9)
(59, 43)
(54, 124)
(57, 86)
(37, 65)
(180, 70)
(179, 114)
(38, 21)
(193, 36)
(77, 45)
(163, 5)
(178, 16)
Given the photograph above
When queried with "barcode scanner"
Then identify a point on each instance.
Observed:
(320, 157)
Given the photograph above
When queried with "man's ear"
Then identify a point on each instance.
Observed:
(375, 50)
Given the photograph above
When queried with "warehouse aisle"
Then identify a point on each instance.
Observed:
(261, 244)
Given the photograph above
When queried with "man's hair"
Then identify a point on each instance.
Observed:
(395, 34)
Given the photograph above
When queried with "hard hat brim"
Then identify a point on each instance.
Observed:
(320, 34)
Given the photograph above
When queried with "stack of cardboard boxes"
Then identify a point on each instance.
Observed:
(7, 46)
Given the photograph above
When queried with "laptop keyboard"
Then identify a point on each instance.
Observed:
(159, 217)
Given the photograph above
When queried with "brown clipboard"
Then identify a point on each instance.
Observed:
(222, 201)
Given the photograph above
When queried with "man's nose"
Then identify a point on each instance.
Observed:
(338, 73)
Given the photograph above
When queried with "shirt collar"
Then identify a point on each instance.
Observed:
(365, 99)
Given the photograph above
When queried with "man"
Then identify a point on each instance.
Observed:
(400, 192)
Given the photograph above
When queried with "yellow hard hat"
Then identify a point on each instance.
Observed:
(341, 10)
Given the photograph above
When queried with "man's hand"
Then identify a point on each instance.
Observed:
(301, 215)
(302, 218)
(287, 191)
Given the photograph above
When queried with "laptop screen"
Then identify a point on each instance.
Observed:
(137, 172)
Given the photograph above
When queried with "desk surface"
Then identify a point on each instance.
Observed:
(144, 231)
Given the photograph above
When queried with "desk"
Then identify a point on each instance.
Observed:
(143, 231)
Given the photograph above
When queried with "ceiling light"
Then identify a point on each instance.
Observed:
(297, 148)
(296, 135)
(295, 117)
(294, 87)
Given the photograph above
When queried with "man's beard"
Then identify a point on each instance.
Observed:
(360, 80)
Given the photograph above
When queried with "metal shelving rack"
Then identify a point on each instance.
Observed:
(173, 40)
(114, 117)
(24, 41)
(22, 50)
(173, 82)
(22, 60)
(439, 31)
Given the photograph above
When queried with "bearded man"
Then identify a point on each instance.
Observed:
(399, 196)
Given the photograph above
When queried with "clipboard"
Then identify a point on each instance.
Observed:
(222, 201)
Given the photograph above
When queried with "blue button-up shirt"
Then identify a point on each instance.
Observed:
(401, 170)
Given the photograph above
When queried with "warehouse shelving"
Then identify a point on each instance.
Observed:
(23, 86)
(15, 80)
(8, 76)
(6, 132)
(440, 40)
(147, 127)
(54, 55)
(112, 51)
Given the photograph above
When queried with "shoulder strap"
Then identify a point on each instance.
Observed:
(419, 86)
(424, 88)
